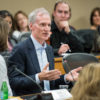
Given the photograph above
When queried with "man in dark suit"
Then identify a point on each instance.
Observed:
(35, 58)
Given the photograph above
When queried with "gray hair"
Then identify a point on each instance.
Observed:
(32, 16)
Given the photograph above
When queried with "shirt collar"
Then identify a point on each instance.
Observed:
(37, 44)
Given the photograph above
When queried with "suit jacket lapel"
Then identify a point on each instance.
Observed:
(48, 56)
(52, 83)
(33, 56)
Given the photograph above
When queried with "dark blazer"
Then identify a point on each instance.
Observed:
(24, 58)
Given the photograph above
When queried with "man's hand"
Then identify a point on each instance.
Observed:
(49, 74)
(64, 25)
(63, 49)
(73, 75)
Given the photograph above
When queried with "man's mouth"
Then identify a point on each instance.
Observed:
(46, 34)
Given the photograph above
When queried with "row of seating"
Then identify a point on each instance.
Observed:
(88, 38)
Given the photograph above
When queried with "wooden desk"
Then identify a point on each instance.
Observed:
(98, 56)
(17, 98)
(59, 65)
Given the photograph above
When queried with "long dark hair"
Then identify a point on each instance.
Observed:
(92, 14)
(4, 31)
(4, 14)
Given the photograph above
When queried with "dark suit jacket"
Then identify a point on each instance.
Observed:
(24, 58)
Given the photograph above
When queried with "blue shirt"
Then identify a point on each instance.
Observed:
(42, 59)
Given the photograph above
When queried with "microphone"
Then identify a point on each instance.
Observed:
(67, 65)
(40, 88)
(44, 95)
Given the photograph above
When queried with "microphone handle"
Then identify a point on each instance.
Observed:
(29, 78)
(67, 65)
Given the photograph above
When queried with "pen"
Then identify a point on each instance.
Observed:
(61, 43)
(69, 50)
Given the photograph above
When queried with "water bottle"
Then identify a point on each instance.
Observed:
(4, 90)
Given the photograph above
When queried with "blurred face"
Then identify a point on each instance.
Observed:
(96, 18)
(61, 13)
(41, 28)
(22, 21)
(9, 21)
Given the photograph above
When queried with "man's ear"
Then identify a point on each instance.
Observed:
(31, 26)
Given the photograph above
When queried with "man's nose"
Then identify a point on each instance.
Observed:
(63, 14)
(47, 28)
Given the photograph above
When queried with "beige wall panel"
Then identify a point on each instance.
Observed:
(80, 9)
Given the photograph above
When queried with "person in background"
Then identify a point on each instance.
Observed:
(4, 31)
(21, 24)
(95, 19)
(7, 16)
(95, 25)
(63, 38)
(35, 58)
(87, 86)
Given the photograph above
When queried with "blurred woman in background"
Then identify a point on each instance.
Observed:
(21, 24)
(95, 25)
(7, 16)
(95, 19)
(87, 86)
(4, 31)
